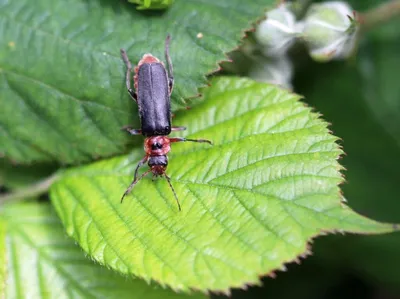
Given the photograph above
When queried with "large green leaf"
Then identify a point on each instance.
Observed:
(249, 203)
(43, 263)
(62, 81)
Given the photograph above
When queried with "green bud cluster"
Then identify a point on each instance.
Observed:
(152, 4)
(277, 32)
(328, 29)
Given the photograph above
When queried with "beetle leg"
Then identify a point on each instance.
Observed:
(133, 94)
(135, 178)
(133, 185)
(169, 62)
(128, 75)
(132, 131)
(182, 139)
(171, 84)
(173, 190)
(140, 164)
(178, 128)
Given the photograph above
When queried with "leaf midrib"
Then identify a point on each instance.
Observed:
(116, 172)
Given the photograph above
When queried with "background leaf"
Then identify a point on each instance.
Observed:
(378, 64)
(62, 88)
(249, 204)
(14, 176)
(43, 263)
(307, 280)
(361, 100)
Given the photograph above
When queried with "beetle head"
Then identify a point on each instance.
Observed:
(158, 164)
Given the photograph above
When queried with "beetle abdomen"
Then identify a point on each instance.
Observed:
(153, 99)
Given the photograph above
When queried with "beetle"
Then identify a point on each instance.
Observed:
(153, 85)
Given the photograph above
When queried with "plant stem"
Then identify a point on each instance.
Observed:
(33, 190)
(380, 14)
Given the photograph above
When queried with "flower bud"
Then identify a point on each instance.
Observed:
(277, 70)
(278, 32)
(152, 4)
(329, 31)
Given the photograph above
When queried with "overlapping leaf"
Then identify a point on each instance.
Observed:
(62, 93)
(250, 203)
(43, 263)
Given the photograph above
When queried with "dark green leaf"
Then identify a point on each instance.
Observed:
(62, 81)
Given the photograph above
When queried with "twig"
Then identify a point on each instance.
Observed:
(379, 14)
(33, 190)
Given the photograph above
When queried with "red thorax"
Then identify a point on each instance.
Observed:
(157, 145)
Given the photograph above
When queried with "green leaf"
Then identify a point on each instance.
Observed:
(250, 203)
(43, 263)
(62, 81)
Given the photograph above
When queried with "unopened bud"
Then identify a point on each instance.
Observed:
(278, 32)
(330, 31)
(277, 70)
(152, 4)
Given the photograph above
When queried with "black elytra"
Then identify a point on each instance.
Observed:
(153, 99)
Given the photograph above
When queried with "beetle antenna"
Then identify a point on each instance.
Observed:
(134, 182)
(173, 190)
(168, 58)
